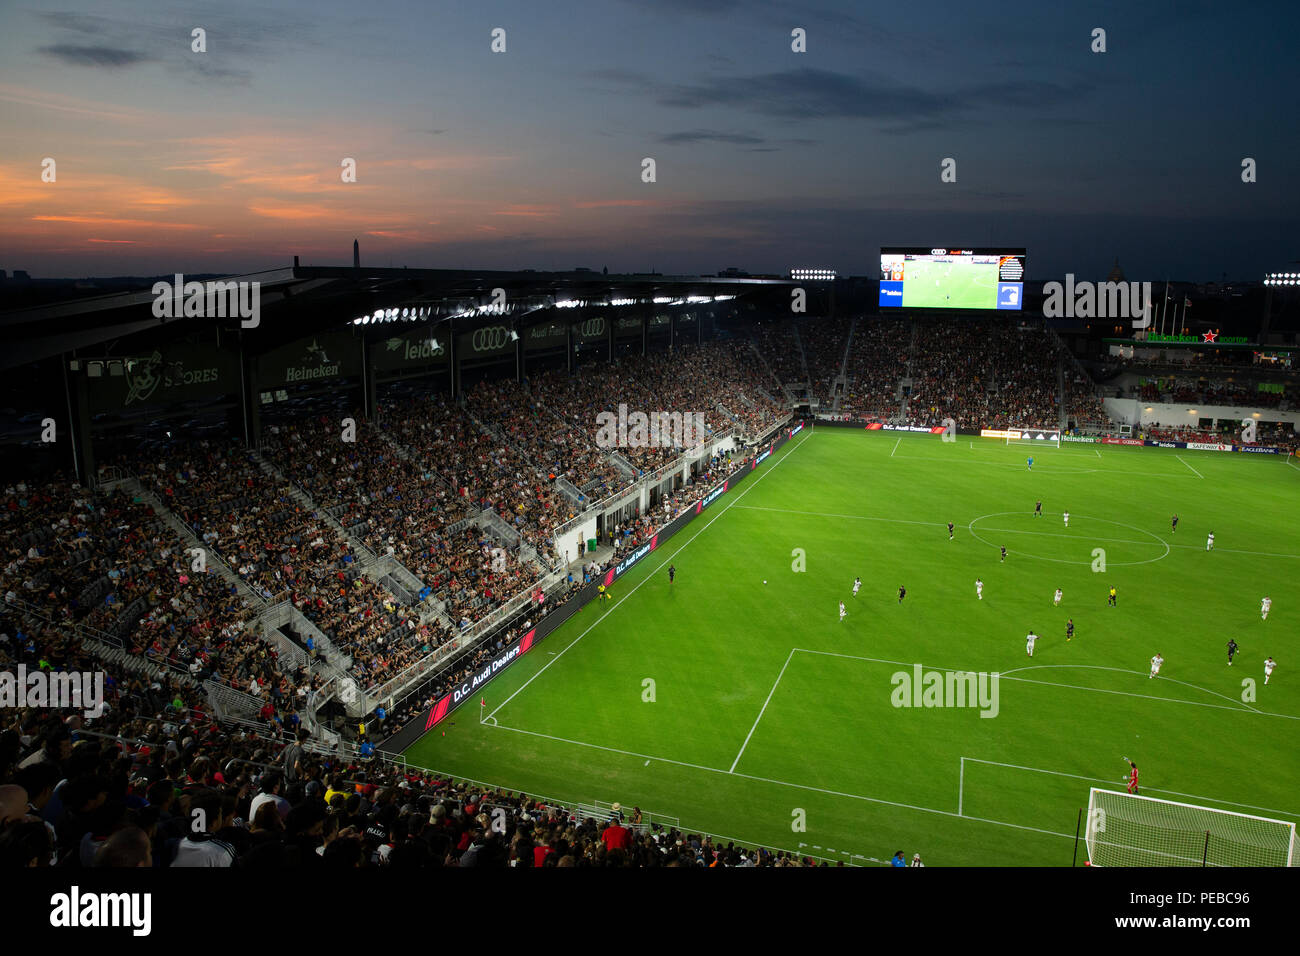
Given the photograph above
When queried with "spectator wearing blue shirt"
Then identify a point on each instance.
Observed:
(367, 748)
(898, 859)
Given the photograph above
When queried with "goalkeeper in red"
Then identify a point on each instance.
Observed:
(1132, 776)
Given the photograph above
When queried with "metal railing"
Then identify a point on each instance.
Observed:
(680, 463)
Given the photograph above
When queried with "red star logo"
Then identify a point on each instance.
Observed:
(1209, 336)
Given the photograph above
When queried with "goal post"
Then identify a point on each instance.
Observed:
(1050, 437)
(1125, 829)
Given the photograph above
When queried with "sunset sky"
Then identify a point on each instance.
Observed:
(229, 160)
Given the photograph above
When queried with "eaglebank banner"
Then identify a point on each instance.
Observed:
(1085, 439)
(1206, 446)
(473, 683)
(1258, 450)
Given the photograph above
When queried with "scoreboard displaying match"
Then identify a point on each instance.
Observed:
(952, 278)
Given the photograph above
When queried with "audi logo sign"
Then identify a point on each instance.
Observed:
(938, 252)
(491, 338)
(593, 327)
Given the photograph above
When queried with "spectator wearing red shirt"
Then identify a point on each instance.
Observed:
(616, 836)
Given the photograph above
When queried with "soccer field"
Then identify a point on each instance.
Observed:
(946, 285)
(746, 710)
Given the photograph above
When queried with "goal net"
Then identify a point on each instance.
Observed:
(1125, 829)
(1034, 436)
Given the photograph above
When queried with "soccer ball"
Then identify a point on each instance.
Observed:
(765, 580)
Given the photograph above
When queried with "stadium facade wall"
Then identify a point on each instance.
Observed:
(1136, 412)
(474, 684)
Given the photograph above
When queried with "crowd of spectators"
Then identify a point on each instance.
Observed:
(1209, 391)
(878, 358)
(152, 781)
(984, 374)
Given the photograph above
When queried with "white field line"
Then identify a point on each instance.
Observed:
(648, 577)
(1241, 709)
(761, 710)
(1194, 471)
(1175, 793)
(1050, 534)
(1096, 452)
(786, 783)
(900, 438)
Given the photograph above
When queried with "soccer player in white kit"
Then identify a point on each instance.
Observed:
(857, 583)
(1155, 664)
(1209, 542)
(1067, 519)
(1029, 642)
(1056, 599)
(979, 589)
(1265, 606)
(843, 613)
(1268, 669)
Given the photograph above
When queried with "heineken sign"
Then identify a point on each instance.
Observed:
(312, 359)
(1205, 338)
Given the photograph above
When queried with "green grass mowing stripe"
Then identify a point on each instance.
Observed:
(750, 485)
(716, 641)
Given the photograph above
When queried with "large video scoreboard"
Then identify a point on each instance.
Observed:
(917, 278)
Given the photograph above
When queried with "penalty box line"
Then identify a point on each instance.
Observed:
(1074, 776)
(648, 577)
(783, 783)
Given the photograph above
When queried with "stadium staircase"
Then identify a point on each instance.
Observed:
(905, 400)
(806, 386)
(567, 488)
(214, 560)
(385, 570)
(229, 704)
(841, 383)
(758, 354)
(625, 467)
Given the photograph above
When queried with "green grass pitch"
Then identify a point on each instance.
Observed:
(960, 286)
(768, 711)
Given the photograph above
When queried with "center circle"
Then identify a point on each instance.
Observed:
(1155, 539)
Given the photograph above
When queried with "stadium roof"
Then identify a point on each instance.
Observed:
(300, 300)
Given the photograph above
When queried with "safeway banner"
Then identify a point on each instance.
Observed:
(1207, 446)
